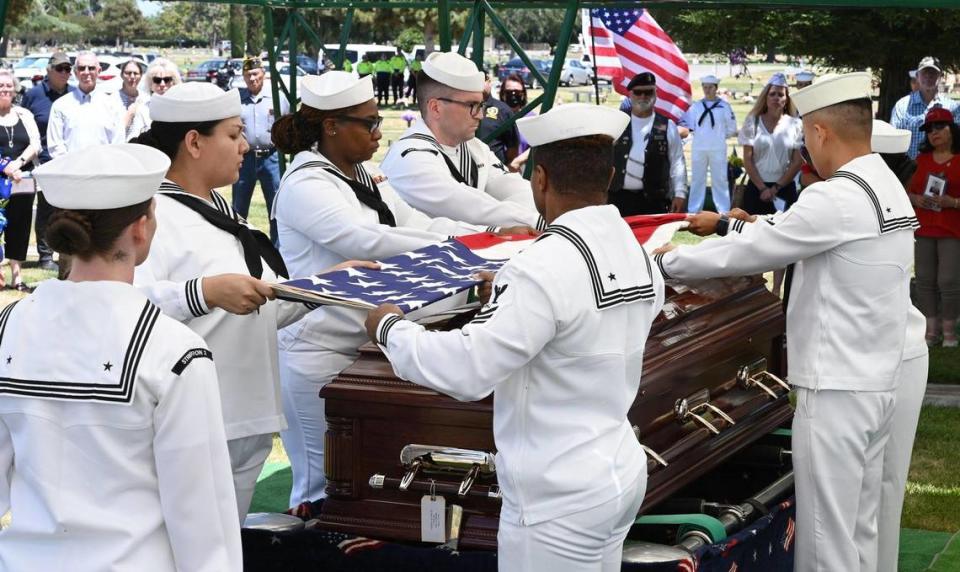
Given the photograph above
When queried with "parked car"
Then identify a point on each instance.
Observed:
(31, 69)
(575, 73)
(205, 71)
(304, 62)
(516, 66)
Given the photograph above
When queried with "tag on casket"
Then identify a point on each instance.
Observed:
(433, 519)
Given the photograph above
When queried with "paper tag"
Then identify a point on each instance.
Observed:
(433, 519)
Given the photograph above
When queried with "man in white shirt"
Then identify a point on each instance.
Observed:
(651, 176)
(711, 120)
(85, 117)
(439, 166)
(550, 345)
(853, 336)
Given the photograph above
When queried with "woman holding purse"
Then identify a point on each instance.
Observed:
(19, 145)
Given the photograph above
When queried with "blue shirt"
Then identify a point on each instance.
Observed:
(909, 112)
(257, 115)
(39, 99)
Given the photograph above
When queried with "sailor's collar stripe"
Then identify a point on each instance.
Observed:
(121, 392)
(886, 225)
(603, 298)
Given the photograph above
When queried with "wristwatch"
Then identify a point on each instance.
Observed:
(723, 225)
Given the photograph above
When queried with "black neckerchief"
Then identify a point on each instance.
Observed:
(467, 164)
(364, 189)
(256, 245)
(708, 112)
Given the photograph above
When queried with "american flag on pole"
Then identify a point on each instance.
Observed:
(625, 42)
(421, 277)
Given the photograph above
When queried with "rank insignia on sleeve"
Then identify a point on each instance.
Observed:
(188, 357)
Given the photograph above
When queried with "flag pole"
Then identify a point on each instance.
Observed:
(593, 58)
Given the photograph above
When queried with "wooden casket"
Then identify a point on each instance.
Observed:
(712, 384)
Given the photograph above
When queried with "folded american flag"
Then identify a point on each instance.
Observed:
(418, 278)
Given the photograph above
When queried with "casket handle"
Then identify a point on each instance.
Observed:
(752, 375)
(654, 455)
(410, 474)
(467, 481)
(716, 410)
(685, 414)
(777, 380)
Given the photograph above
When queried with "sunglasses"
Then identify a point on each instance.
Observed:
(644, 92)
(88, 68)
(476, 107)
(65, 68)
(157, 80)
(371, 124)
(805, 155)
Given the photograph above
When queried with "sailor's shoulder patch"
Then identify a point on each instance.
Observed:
(189, 356)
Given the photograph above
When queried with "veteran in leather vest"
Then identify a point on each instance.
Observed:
(651, 176)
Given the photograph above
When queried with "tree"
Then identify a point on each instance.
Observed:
(254, 29)
(409, 38)
(888, 41)
(194, 23)
(120, 19)
(238, 32)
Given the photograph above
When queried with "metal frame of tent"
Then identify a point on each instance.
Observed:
(480, 12)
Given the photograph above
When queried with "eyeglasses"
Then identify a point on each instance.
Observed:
(476, 107)
(88, 68)
(157, 80)
(937, 126)
(371, 124)
(65, 68)
(644, 92)
(805, 155)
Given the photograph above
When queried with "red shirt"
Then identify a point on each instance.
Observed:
(933, 224)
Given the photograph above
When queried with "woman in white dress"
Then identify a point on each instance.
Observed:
(112, 455)
(212, 270)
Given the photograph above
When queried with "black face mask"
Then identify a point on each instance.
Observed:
(513, 98)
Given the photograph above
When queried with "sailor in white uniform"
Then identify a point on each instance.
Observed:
(332, 207)
(210, 269)
(550, 345)
(853, 335)
(439, 166)
(712, 122)
(112, 455)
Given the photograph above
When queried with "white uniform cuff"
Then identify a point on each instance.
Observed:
(193, 298)
(383, 328)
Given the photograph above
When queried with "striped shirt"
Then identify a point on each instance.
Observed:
(909, 112)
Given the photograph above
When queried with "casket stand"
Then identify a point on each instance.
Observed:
(712, 384)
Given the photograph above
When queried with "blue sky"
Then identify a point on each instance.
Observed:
(149, 8)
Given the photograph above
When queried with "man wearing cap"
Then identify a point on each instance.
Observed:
(804, 78)
(261, 161)
(85, 117)
(39, 99)
(914, 83)
(651, 174)
(909, 112)
(112, 455)
(572, 472)
(441, 168)
(711, 120)
(853, 336)
(506, 145)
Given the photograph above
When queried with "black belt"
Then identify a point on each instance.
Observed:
(260, 153)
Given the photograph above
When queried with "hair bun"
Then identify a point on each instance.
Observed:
(70, 232)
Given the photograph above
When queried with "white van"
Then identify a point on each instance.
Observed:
(355, 53)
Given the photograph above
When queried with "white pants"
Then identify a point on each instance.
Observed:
(896, 458)
(838, 452)
(302, 375)
(716, 161)
(586, 541)
(247, 455)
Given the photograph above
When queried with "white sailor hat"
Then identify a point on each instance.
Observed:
(709, 79)
(335, 90)
(804, 75)
(571, 121)
(888, 139)
(195, 102)
(103, 176)
(778, 79)
(831, 90)
(453, 70)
